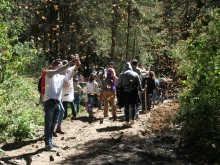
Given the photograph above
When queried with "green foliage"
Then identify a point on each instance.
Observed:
(200, 107)
(18, 94)
(19, 113)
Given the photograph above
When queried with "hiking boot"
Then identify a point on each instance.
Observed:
(114, 118)
(132, 122)
(55, 135)
(126, 124)
(59, 130)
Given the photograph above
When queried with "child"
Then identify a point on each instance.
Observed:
(92, 90)
(77, 94)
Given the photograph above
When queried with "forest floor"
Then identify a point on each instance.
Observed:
(153, 139)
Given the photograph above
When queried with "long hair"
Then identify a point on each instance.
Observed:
(92, 77)
(151, 75)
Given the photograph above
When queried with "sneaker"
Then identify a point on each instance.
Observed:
(126, 124)
(132, 122)
(51, 148)
(55, 146)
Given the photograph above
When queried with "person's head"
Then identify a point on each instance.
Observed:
(56, 63)
(111, 64)
(140, 65)
(134, 63)
(151, 74)
(101, 71)
(127, 66)
(110, 73)
(92, 77)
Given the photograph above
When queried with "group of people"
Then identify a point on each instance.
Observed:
(133, 88)
(60, 87)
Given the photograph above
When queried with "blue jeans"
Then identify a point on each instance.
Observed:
(52, 109)
(60, 118)
(126, 111)
(77, 98)
(155, 95)
(91, 100)
(72, 107)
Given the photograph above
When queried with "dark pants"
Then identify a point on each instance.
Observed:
(52, 109)
(72, 107)
(126, 111)
(148, 101)
(77, 98)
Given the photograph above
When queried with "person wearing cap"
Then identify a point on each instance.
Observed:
(67, 98)
(128, 84)
(68, 94)
(53, 95)
(111, 65)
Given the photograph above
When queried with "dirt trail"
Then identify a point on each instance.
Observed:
(148, 141)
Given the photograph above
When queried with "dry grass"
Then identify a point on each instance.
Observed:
(160, 120)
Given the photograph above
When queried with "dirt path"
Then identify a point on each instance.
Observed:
(148, 141)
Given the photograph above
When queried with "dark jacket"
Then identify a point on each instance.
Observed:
(150, 84)
(128, 85)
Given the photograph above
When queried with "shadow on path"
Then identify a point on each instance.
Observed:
(17, 145)
(130, 150)
(26, 157)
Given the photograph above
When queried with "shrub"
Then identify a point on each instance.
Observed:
(200, 106)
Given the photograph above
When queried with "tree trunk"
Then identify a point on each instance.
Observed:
(128, 30)
(134, 44)
(114, 29)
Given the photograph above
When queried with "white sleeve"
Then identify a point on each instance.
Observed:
(70, 75)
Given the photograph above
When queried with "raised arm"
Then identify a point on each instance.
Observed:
(74, 70)
(56, 68)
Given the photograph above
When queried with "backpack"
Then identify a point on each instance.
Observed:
(41, 83)
(163, 83)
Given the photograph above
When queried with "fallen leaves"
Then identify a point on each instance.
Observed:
(160, 120)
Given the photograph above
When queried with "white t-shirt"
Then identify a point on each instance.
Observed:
(68, 90)
(54, 84)
(92, 88)
(53, 87)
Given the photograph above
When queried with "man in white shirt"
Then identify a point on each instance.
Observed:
(53, 95)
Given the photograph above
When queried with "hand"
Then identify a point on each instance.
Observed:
(75, 61)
